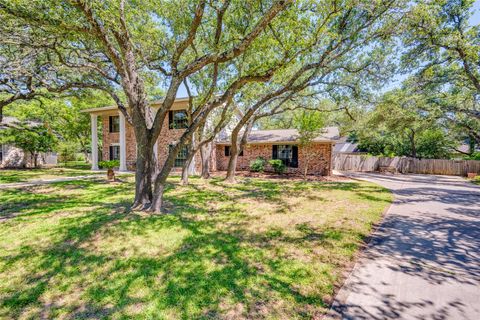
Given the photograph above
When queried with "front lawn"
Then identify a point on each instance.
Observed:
(25, 175)
(256, 250)
(476, 180)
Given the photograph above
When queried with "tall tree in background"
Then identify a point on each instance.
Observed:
(403, 123)
(309, 125)
(348, 56)
(443, 49)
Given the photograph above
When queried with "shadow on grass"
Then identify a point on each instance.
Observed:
(220, 268)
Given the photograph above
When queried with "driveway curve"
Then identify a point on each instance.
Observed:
(423, 262)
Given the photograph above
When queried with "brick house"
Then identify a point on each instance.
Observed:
(118, 143)
(282, 144)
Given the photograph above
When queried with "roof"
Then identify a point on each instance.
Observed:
(329, 134)
(114, 107)
(8, 120)
(345, 147)
(465, 148)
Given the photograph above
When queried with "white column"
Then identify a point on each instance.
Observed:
(94, 141)
(123, 144)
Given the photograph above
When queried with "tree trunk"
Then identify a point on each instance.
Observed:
(232, 162)
(412, 143)
(146, 164)
(186, 167)
(205, 153)
(143, 176)
(160, 183)
(35, 160)
(235, 150)
(85, 154)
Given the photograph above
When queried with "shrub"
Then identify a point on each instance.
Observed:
(66, 151)
(257, 165)
(474, 156)
(277, 165)
(109, 164)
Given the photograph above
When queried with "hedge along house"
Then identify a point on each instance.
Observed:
(118, 143)
(283, 144)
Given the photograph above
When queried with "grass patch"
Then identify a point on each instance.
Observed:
(25, 175)
(255, 250)
(476, 180)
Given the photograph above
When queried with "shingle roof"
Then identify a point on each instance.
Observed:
(7, 120)
(329, 134)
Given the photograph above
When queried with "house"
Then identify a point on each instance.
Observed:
(118, 143)
(13, 157)
(282, 144)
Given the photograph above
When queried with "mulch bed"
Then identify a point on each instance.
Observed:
(289, 176)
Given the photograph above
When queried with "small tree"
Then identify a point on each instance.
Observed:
(33, 139)
(309, 125)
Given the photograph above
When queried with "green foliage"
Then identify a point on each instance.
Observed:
(30, 137)
(67, 151)
(476, 180)
(258, 165)
(429, 144)
(309, 125)
(64, 116)
(110, 164)
(434, 144)
(403, 123)
(277, 165)
(474, 156)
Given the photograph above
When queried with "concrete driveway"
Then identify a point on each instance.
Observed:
(424, 260)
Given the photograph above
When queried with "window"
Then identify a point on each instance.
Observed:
(177, 119)
(181, 156)
(287, 153)
(114, 152)
(227, 152)
(114, 124)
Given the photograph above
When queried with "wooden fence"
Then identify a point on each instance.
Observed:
(365, 163)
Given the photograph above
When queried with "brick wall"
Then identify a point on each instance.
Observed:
(166, 137)
(320, 158)
(320, 163)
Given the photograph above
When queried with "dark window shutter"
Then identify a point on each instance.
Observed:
(294, 163)
(227, 151)
(110, 149)
(274, 151)
(170, 119)
(110, 124)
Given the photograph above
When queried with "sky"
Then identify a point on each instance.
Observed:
(474, 20)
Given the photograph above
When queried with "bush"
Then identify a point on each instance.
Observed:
(66, 151)
(277, 166)
(474, 156)
(257, 165)
(109, 164)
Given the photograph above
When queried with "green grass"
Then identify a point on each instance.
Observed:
(476, 180)
(24, 175)
(256, 250)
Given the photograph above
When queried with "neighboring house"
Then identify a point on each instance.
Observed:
(13, 157)
(119, 143)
